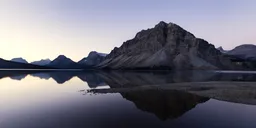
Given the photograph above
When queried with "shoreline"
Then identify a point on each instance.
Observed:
(236, 92)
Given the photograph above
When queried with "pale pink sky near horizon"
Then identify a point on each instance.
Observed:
(39, 29)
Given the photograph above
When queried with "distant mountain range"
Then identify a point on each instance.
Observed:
(94, 58)
(61, 62)
(165, 46)
(5, 64)
(42, 62)
(19, 60)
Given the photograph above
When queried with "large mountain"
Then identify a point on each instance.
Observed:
(19, 60)
(63, 62)
(4, 64)
(246, 51)
(42, 62)
(94, 58)
(166, 46)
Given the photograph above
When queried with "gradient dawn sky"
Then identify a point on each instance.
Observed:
(39, 29)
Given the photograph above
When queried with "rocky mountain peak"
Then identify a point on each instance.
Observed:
(93, 59)
(94, 53)
(161, 24)
(165, 46)
(61, 57)
(220, 48)
(63, 62)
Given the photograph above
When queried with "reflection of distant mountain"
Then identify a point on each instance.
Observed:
(20, 77)
(117, 79)
(17, 75)
(60, 77)
(92, 78)
(41, 75)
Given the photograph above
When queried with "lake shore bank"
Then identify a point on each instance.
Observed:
(237, 92)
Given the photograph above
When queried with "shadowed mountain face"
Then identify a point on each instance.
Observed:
(166, 46)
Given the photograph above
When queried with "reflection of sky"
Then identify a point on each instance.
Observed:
(221, 114)
(76, 27)
(13, 91)
(33, 102)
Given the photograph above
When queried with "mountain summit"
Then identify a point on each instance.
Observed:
(94, 58)
(63, 62)
(166, 46)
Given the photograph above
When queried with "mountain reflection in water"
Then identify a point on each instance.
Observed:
(132, 98)
(164, 104)
(116, 79)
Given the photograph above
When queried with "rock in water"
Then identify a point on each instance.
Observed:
(166, 46)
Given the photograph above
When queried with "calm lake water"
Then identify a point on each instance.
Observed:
(33, 99)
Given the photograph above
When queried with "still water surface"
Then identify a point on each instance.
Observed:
(31, 99)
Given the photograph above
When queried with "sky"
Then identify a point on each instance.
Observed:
(39, 29)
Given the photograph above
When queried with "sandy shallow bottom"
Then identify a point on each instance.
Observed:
(237, 92)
